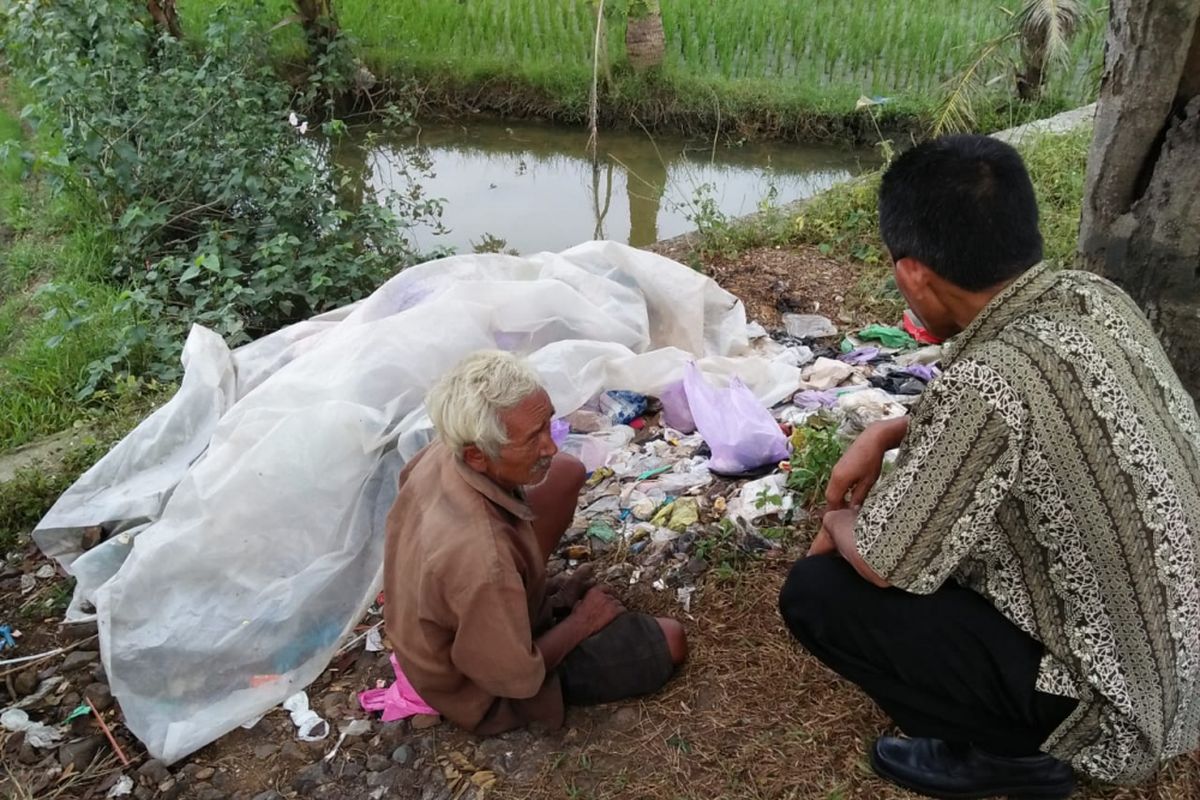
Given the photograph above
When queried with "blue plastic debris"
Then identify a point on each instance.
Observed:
(622, 407)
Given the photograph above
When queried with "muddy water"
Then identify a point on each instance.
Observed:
(533, 186)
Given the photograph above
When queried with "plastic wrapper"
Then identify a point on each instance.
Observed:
(739, 430)
(595, 449)
(867, 407)
(764, 497)
(250, 509)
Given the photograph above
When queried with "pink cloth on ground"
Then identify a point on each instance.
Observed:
(398, 701)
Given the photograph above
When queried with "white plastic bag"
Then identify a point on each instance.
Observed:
(36, 733)
(309, 725)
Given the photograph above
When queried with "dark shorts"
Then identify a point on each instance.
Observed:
(628, 658)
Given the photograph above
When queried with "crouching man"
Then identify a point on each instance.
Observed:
(468, 607)
(1021, 593)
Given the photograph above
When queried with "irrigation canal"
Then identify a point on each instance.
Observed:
(533, 185)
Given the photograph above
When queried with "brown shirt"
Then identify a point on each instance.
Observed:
(464, 580)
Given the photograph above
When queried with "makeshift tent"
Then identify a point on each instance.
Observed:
(247, 514)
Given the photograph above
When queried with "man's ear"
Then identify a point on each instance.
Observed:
(913, 277)
(474, 458)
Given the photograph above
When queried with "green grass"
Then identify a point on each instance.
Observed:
(843, 221)
(29, 494)
(58, 310)
(58, 313)
(765, 63)
(10, 166)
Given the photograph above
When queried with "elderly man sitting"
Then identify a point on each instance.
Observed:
(468, 607)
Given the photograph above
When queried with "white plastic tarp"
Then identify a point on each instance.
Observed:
(251, 506)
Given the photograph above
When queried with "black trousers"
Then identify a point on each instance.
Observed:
(946, 665)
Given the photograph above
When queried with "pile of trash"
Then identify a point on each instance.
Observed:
(231, 543)
(664, 471)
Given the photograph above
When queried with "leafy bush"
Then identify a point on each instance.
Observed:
(223, 209)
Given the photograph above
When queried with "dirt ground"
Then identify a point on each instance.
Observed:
(773, 281)
(749, 716)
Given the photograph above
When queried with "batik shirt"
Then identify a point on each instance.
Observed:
(1053, 468)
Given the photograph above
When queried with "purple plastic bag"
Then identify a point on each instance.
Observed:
(813, 400)
(677, 413)
(863, 355)
(740, 432)
(559, 429)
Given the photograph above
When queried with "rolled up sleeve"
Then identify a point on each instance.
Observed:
(958, 463)
(493, 644)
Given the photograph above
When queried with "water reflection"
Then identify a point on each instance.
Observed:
(533, 186)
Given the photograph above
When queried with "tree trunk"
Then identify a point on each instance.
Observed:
(165, 16)
(1033, 74)
(319, 21)
(645, 41)
(1141, 210)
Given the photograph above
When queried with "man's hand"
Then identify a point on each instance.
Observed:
(860, 466)
(823, 544)
(837, 535)
(565, 591)
(590, 616)
(597, 608)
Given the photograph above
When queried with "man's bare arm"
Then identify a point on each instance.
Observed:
(597, 608)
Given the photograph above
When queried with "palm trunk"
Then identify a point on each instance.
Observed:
(165, 16)
(1032, 77)
(645, 40)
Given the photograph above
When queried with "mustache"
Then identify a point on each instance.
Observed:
(543, 464)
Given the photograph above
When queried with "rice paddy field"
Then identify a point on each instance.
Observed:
(784, 57)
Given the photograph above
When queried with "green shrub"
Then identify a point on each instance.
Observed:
(222, 208)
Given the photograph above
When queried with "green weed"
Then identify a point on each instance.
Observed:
(721, 546)
(816, 448)
(1057, 166)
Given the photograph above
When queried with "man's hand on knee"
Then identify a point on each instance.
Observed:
(565, 591)
(598, 607)
(823, 544)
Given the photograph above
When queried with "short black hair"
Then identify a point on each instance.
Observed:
(964, 206)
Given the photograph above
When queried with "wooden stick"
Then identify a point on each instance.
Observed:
(111, 739)
(593, 100)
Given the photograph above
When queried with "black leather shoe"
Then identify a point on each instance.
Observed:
(934, 768)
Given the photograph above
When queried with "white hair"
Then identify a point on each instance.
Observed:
(465, 405)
